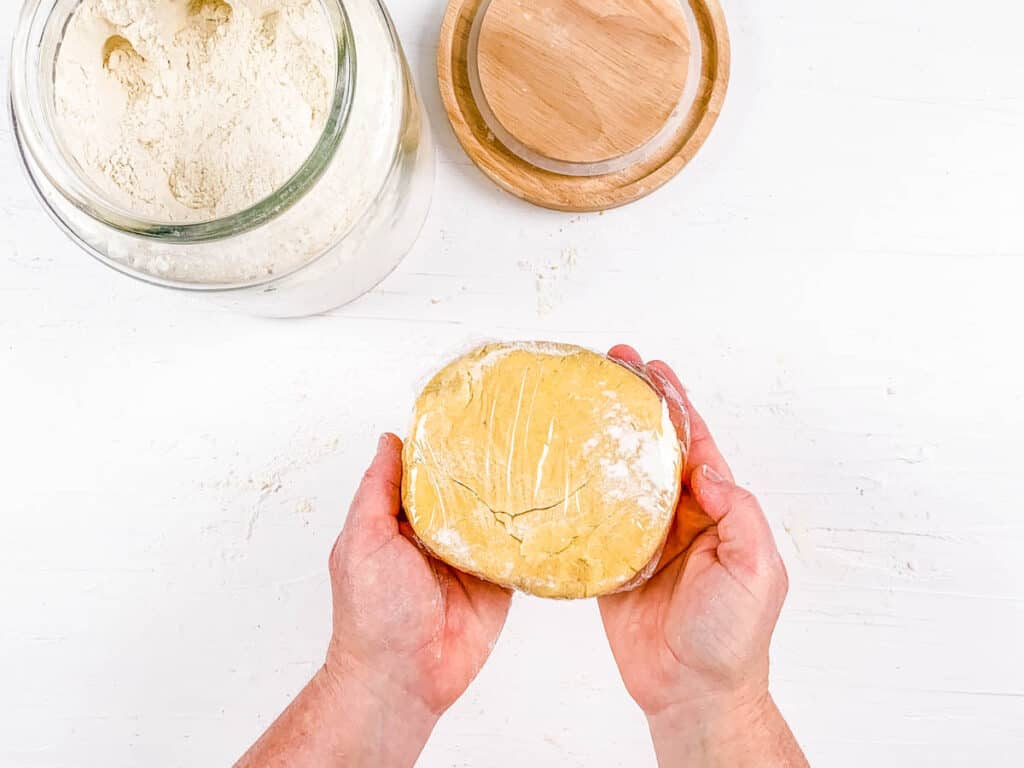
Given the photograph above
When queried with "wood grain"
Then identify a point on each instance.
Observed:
(571, 192)
(583, 81)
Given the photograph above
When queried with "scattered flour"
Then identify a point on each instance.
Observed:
(550, 277)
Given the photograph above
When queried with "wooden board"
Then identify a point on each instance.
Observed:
(564, 132)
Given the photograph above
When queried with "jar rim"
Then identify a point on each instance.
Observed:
(36, 136)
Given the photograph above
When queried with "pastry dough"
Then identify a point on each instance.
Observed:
(544, 467)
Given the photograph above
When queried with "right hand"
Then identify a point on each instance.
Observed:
(693, 641)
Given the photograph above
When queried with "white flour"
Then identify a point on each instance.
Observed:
(350, 226)
(646, 461)
(183, 111)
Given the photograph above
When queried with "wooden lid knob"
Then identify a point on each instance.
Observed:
(583, 81)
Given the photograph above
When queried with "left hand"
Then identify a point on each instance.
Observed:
(410, 633)
(410, 628)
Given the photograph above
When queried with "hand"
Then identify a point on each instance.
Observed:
(407, 624)
(410, 633)
(692, 643)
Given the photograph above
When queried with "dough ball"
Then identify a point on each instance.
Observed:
(544, 467)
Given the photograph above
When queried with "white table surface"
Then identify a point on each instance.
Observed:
(837, 277)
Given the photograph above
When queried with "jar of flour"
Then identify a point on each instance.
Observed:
(272, 154)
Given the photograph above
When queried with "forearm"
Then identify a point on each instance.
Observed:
(725, 735)
(339, 722)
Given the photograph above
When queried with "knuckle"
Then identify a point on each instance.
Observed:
(771, 570)
(370, 477)
(334, 559)
(744, 498)
(782, 578)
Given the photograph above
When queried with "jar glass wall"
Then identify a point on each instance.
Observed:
(328, 235)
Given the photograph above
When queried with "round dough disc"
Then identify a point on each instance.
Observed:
(544, 467)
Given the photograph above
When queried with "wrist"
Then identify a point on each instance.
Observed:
(390, 727)
(712, 729)
(337, 722)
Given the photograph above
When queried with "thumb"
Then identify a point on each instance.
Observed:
(746, 539)
(378, 500)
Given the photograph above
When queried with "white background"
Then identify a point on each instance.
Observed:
(837, 277)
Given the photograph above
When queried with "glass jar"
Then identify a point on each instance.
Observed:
(333, 231)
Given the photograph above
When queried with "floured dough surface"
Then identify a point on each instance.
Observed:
(544, 467)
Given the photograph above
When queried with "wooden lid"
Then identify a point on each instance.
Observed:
(582, 104)
(583, 81)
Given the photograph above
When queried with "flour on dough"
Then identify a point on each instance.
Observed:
(544, 467)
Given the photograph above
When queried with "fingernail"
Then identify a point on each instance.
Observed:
(382, 443)
(710, 475)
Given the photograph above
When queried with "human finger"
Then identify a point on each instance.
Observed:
(689, 523)
(629, 357)
(677, 410)
(702, 447)
(626, 354)
(746, 538)
(378, 501)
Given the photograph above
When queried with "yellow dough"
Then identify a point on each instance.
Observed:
(544, 467)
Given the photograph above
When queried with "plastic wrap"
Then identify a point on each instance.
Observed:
(544, 467)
